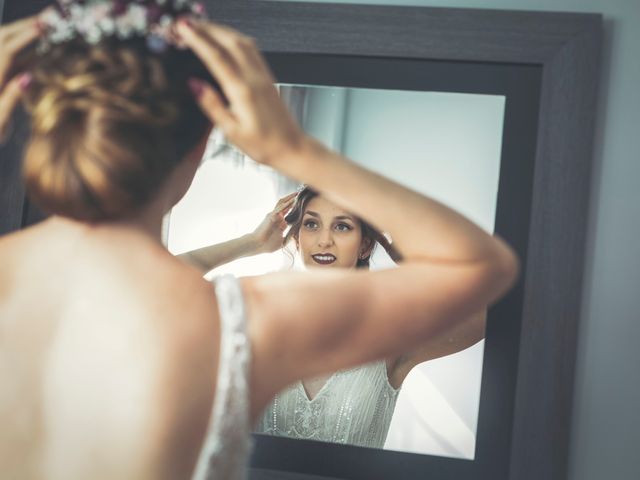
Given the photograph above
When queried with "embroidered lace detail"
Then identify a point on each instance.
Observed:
(226, 449)
(353, 407)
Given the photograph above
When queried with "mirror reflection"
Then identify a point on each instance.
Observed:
(446, 145)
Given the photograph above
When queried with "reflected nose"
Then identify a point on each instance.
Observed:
(325, 238)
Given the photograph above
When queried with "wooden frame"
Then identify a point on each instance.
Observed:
(565, 48)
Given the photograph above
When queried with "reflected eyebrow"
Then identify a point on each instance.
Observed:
(339, 217)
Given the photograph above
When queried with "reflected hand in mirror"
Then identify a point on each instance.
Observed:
(269, 235)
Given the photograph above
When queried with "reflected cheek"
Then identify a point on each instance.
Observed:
(348, 251)
(304, 245)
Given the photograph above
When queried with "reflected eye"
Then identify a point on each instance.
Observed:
(310, 224)
(343, 227)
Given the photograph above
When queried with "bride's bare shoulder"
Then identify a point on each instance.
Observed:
(114, 268)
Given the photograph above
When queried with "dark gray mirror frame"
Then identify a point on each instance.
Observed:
(566, 46)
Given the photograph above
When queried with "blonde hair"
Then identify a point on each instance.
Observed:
(109, 123)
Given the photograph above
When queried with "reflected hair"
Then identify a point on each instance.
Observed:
(295, 216)
(109, 122)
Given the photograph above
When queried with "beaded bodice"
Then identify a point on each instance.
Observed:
(354, 407)
(225, 452)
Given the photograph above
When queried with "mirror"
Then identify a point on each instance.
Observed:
(446, 145)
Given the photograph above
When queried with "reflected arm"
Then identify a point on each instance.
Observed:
(451, 340)
(266, 238)
(212, 256)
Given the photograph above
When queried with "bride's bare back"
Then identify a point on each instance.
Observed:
(100, 346)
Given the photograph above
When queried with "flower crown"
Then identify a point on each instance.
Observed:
(94, 20)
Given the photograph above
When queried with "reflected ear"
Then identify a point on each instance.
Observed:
(365, 248)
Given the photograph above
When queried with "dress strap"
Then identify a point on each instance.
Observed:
(226, 449)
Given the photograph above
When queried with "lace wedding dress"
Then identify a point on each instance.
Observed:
(354, 407)
(225, 452)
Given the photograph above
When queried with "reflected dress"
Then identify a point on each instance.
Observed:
(353, 407)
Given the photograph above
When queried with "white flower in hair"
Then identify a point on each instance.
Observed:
(134, 21)
(95, 20)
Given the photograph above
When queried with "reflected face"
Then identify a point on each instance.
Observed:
(329, 236)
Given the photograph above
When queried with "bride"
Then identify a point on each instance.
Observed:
(119, 360)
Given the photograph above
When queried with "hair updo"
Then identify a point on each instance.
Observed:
(296, 214)
(109, 123)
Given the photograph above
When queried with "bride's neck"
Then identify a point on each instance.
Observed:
(147, 224)
(148, 219)
(145, 221)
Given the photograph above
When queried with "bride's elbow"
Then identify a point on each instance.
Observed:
(505, 266)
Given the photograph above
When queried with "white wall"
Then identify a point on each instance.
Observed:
(606, 421)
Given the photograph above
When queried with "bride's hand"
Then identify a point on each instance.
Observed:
(14, 37)
(255, 120)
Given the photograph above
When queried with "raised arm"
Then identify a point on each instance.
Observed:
(451, 270)
(307, 324)
(266, 238)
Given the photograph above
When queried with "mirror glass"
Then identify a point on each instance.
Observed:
(446, 145)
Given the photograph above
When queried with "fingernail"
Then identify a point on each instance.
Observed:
(41, 26)
(196, 87)
(40, 22)
(185, 22)
(25, 81)
(199, 8)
